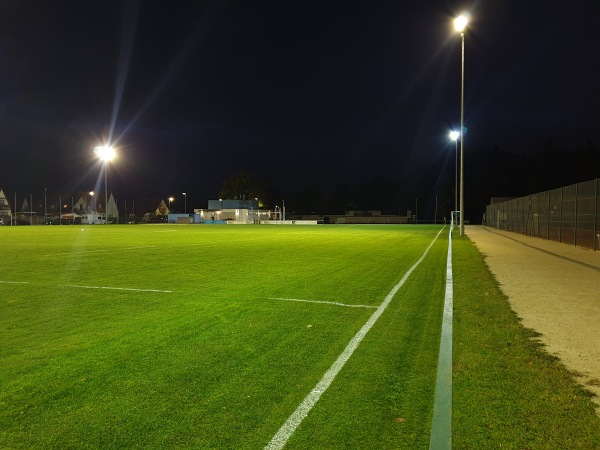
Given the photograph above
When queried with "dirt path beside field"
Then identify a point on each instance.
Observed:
(555, 289)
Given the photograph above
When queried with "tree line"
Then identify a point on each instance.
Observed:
(489, 172)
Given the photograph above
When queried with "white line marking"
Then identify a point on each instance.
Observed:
(117, 288)
(76, 253)
(97, 251)
(287, 429)
(96, 287)
(136, 248)
(441, 425)
(320, 301)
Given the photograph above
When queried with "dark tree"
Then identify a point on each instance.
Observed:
(244, 186)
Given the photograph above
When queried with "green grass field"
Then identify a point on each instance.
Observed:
(211, 336)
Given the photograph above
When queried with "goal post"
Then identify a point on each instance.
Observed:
(455, 219)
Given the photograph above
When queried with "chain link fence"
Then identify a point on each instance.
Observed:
(569, 214)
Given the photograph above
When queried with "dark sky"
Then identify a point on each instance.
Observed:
(303, 93)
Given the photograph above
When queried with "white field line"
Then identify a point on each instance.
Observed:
(137, 248)
(117, 288)
(97, 251)
(75, 253)
(320, 301)
(291, 424)
(96, 287)
(441, 425)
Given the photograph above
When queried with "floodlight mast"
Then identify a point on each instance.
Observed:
(90, 206)
(460, 23)
(106, 153)
(454, 137)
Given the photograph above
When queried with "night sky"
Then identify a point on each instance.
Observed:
(304, 94)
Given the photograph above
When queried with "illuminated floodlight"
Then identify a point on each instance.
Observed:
(105, 152)
(460, 23)
(454, 135)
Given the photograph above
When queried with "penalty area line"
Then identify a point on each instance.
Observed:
(118, 288)
(96, 287)
(322, 301)
(295, 419)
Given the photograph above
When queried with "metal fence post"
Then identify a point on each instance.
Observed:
(575, 224)
(560, 226)
(548, 220)
(537, 232)
(596, 235)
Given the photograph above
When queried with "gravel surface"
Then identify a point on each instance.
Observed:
(555, 289)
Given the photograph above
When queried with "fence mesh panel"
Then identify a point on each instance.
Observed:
(569, 214)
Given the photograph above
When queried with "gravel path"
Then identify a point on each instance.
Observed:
(555, 289)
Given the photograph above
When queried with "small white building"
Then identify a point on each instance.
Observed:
(93, 218)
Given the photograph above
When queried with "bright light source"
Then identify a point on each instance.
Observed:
(454, 135)
(105, 152)
(460, 23)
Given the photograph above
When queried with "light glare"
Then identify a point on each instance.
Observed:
(460, 23)
(454, 135)
(105, 152)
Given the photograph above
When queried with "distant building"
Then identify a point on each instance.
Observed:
(5, 210)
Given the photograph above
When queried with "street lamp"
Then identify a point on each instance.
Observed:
(91, 200)
(460, 23)
(454, 137)
(416, 211)
(170, 200)
(184, 202)
(106, 154)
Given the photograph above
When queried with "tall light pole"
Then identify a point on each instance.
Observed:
(460, 23)
(416, 211)
(454, 137)
(184, 202)
(45, 207)
(106, 154)
(91, 206)
(170, 200)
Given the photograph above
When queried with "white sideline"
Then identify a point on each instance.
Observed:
(291, 424)
(441, 424)
(14, 282)
(321, 301)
